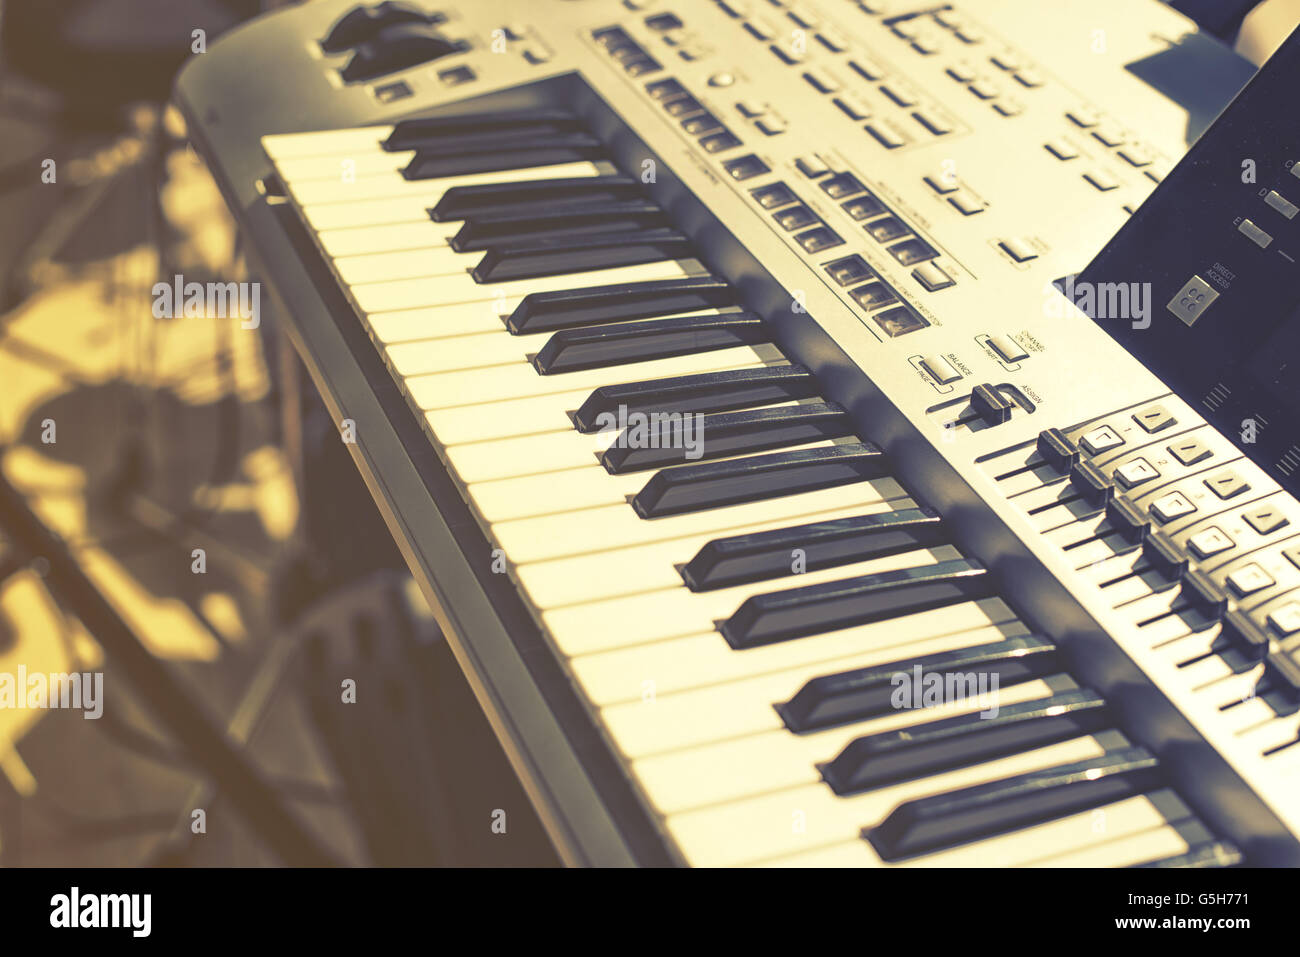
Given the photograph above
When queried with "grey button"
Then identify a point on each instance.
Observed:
(887, 137)
(1172, 506)
(932, 277)
(1248, 579)
(941, 369)
(1192, 300)
(1154, 418)
(1295, 169)
(1100, 440)
(1135, 473)
(1265, 519)
(1008, 348)
(1227, 484)
(1212, 541)
(1254, 234)
(1281, 204)
(968, 204)
(1190, 451)
(1018, 249)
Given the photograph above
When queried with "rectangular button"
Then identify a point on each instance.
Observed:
(795, 217)
(1265, 519)
(1254, 234)
(942, 183)
(1108, 135)
(899, 94)
(1172, 506)
(886, 229)
(1102, 180)
(1135, 155)
(1209, 542)
(863, 207)
(935, 124)
(932, 277)
(886, 137)
(1190, 451)
(967, 204)
(1295, 169)
(751, 109)
(1100, 440)
(1154, 418)
(1227, 484)
(869, 69)
(1192, 300)
(745, 167)
(1135, 473)
(852, 106)
(777, 194)
(1286, 620)
(842, 186)
(983, 89)
(961, 72)
(811, 166)
(815, 240)
(1018, 249)
(1008, 348)
(899, 321)
(873, 295)
(1249, 579)
(719, 142)
(849, 270)
(771, 125)
(912, 251)
(940, 369)
(1084, 116)
(1281, 204)
(821, 82)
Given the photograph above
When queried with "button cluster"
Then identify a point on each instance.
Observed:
(711, 133)
(790, 213)
(625, 51)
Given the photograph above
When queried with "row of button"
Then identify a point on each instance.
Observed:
(949, 186)
(627, 52)
(788, 211)
(1278, 646)
(678, 103)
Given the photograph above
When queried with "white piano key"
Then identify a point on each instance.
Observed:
(694, 661)
(1275, 733)
(674, 612)
(412, 205)
(574, 490)
(348, 164)
(671, 721)
(1135, 832)
(286, 146)
(643, 568)
(489, 313)
(617, 526)
(456, 288)
(799, 818)
(453, 353)
(475, 386)
(381, 240)
(735, 769)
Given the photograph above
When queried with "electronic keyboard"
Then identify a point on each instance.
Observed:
(731, 379)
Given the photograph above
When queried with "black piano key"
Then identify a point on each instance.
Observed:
(701, 392)
(797, 612)
(905, 754)
(580, 219)
(555, 257)
(489, 199)
(398, 47)
(618, 343)
(747, 558)
(959, 817)
(362, 23)
(692, 488)
(867, 692)
(547, 311)
(726, 433)
(582, 147)
(423, 130)
(1211, 854)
